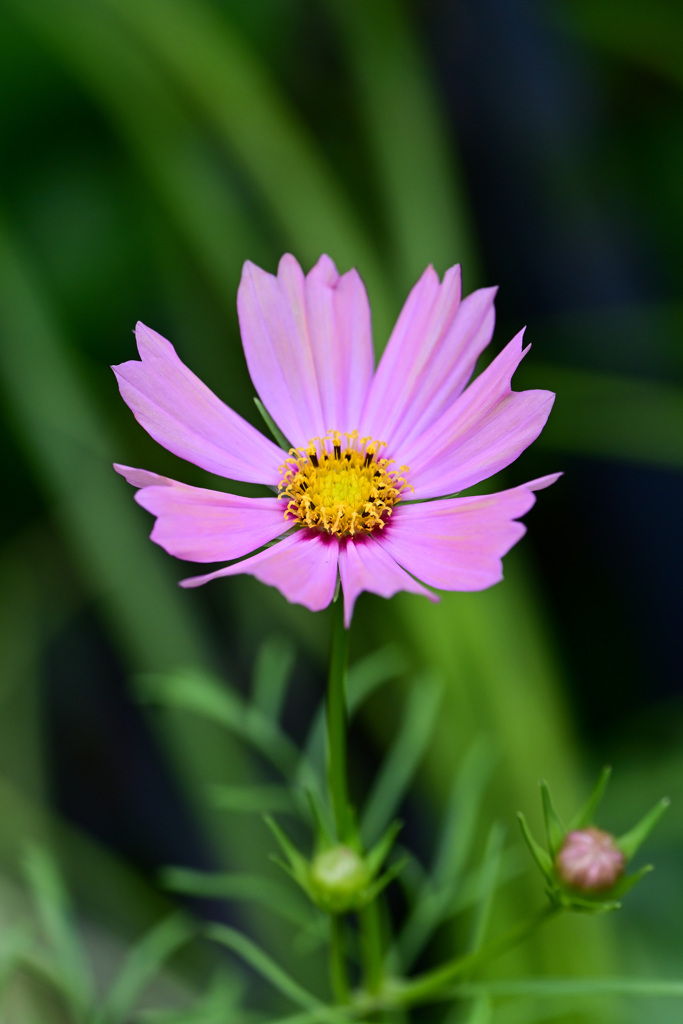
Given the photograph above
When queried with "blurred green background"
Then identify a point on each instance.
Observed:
(149, 148)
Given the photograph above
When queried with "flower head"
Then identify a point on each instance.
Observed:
(369, 448)
(583, 866)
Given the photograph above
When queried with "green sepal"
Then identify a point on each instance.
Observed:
(380, 851)
(541, 856)
(554, 828)
(380, 884)
(632, 840)
(296, 864)
(586, 816)
(272, 426)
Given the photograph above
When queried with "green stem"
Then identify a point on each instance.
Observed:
(336, 724)
(432, 983)
(338, 970)
(371, 947)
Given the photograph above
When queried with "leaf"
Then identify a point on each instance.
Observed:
(253, 799)
(403, 756)
(142, 963)
(263, 965)
(52, 903)
(271, 675)
(240, 887)
(490, 870)
(195, 690)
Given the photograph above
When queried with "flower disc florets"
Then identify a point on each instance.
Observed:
(337, 484)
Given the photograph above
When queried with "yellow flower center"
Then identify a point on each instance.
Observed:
(337, 484)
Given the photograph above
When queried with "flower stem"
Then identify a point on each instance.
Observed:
(338, 969)
(431, 984)
(336, 724)
(371, 947)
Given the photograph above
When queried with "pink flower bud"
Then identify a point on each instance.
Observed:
(590, 860)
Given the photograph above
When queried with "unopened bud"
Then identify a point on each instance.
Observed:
(590, 860)
(339, 877)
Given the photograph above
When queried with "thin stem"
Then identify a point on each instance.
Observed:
(432, 983)
(336, 723)
(339, 976)
(371, 947)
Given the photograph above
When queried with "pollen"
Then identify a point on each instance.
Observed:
(338, 484)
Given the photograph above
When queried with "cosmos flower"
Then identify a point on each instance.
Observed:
(352, 498)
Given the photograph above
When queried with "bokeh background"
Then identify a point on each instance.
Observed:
(149, 148)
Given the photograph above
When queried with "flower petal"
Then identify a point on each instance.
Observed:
(308, 345)
(365, 565)
(303, 567)
(185, 416)
(430, 356)
(210, 526)
(458, 543)
(486, 429)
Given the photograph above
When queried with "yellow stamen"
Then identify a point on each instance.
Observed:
(344, 490)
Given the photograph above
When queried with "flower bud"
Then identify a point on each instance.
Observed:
(589, 860)
(339, 877)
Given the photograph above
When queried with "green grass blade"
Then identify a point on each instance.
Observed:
(654, 988)
(49, 893)
(216, 70)
(71, 450)
(433, 903)
(425, 209)
(271, 676)
(253, 799)
(403, 757)
(490, 872)
(202, 694)
(170, 150)
(263, 965)
(142, 964)
(281, 899)
(609, 415)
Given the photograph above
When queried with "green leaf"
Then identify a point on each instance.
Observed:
(571, 987)
(433, 902)
(240, 887)
(196, 691)
(263, 965)
(273, 668)
(403, 757)
(426, 213)
(490, 871)
(586, 816)
(52, 903)
(142, 963)
(253, 799)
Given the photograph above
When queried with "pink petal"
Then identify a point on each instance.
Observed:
(303, 567)
(365, 565)
(143, 478)
(429, 358)
(308, 345)
(183, 415)
(210, 526)
(458, 543)
(486, 429)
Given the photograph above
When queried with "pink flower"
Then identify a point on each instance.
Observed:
(590, 860)
(370, 447)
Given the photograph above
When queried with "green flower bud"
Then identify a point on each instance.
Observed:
(338, 878)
